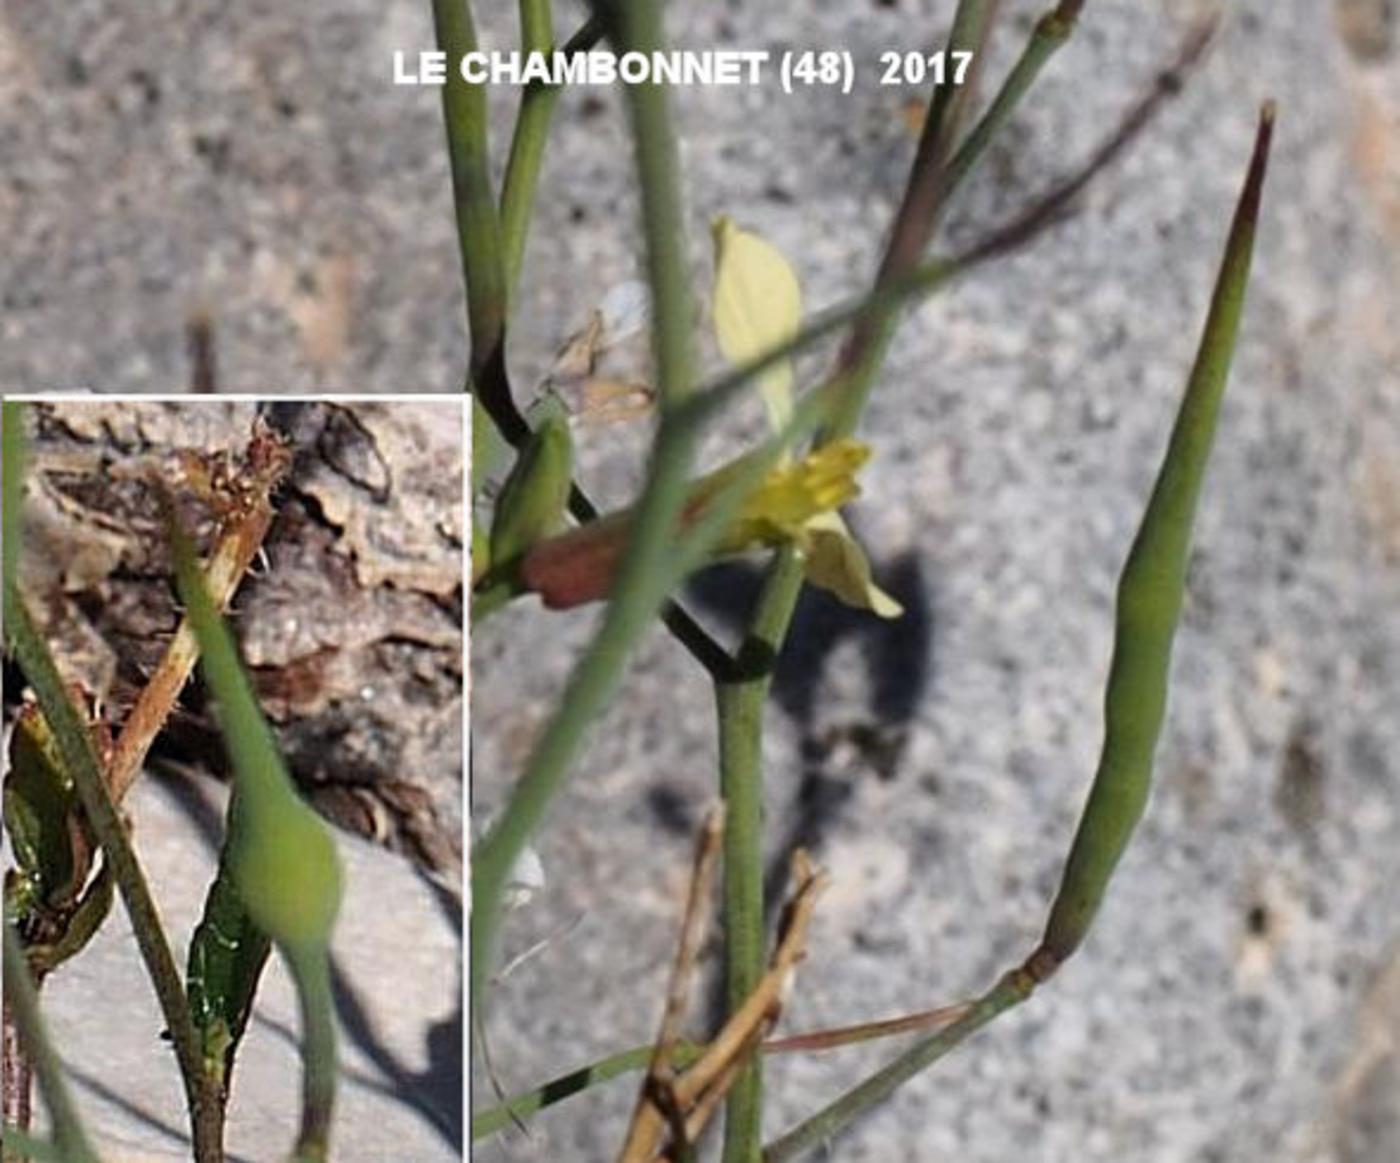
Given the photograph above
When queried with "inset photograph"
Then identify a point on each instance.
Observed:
(233, 778)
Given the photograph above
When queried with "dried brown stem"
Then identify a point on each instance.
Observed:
(241, 536)
(817, 1040)
(651, 1116)
(764, 1004)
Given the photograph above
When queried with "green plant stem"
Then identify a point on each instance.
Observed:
(531, 134)
(526, 1103)
(740, 703)
(81, 763)
(644, 573)
(1050, 34)
(1010, 991)
(663, 220)
(313, 981)
(936, 174)
(23, 998)
(478, 227)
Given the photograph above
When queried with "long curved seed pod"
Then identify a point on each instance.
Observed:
(1150, 592)
(1149, 602)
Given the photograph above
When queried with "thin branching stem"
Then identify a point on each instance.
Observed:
(1010, 991)
(81, 762)
(527, 145)
(644, 576)
(465, 112)
(1150, 592)
(740, 703)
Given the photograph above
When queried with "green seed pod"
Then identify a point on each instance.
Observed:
(285, 867)
(280, 853)
(535, 496)
(1150, 593)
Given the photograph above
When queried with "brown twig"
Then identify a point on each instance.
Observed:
(831, 1039)
(241, 536)
(756, 1016)
(685, 1102)
(652, 1114)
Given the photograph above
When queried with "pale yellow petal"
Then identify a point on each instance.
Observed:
(835, 562)
(757, 307)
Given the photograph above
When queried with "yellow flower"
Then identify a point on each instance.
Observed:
(797, 503)
(757, 308)
(791, 495)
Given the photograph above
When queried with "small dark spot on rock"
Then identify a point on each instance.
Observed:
(146, 85)
(214, 150)
(1257, 920)
(1299, 792)
(672, 810)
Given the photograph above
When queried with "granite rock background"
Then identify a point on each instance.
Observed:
(1237, 1001)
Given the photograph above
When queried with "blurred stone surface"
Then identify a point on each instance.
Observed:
(254, 163)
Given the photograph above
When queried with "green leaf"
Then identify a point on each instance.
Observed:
(40, 814)
(227, 955)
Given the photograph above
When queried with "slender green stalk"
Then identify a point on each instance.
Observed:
(81, 762)
(740, 703)
(279, 853)
(1051, 33)
(318, 1054)
(516, 210)
(69, 1136)
(536, 26)
(663, 221)
(1010, 991)
(528, 142)
(520, 1106)
(478, 227)
(644, 572)
(934, 177)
